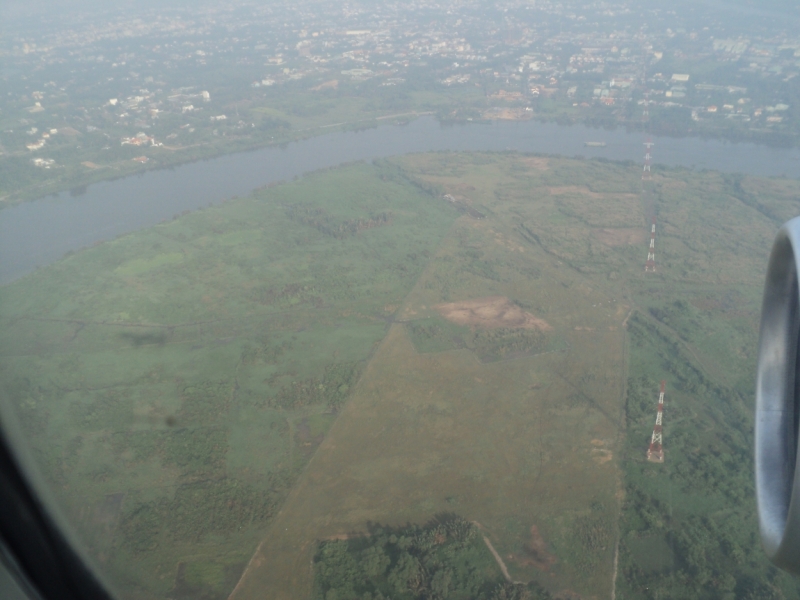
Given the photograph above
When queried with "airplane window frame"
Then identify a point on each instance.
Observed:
(34, 547)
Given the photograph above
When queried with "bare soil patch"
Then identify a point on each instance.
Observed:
(507, 114)
(620, 237)
(490, 313)
(327, 85)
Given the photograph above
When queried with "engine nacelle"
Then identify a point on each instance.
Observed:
(777, 407)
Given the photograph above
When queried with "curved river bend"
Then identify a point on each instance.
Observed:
(40, 232)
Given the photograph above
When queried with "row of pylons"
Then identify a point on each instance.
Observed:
(655, 452)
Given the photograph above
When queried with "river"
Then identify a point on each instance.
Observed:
(39, 232)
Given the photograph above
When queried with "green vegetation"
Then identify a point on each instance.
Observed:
(688, 526)
(436, 334)
(188, 372)
(494, 352)
(445, 558)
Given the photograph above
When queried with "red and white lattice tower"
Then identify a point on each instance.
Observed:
(655, 453)
(650, 265)
(646, 173)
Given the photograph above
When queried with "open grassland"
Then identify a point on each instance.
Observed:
(286, 382)
(174, 382)
(497, 394)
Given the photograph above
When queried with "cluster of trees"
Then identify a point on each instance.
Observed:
(393, 172)
(733, 183)
(445, 558)
(287, 295)
(433, 335)
(680, 316)
(497, 344)
(697, 508)
(331, 389)
(197, 510)
(327, 224)
(264, 352)
(486, 269)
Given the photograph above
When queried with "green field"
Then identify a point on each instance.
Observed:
(174, 382)
(222, 400)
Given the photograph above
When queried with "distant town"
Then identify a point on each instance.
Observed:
(114, 91)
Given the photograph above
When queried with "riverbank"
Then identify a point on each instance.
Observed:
(41, 231)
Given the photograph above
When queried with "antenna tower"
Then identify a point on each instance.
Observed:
(650, 265)
(655, 453)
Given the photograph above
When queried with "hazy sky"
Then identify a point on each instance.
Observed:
(13, 10)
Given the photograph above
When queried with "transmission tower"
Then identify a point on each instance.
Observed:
(650, 265)
(655, 453)
(648, 144)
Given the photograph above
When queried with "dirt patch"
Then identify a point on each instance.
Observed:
(601, 455)
(507, 114)
(630, 236)
(328, 85)
(490, 313)
(90, 164)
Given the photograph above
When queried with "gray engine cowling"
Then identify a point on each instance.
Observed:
(777, 404)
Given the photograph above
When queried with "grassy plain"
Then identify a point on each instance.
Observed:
(378, 344)
(175, 381)
(523, 442)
